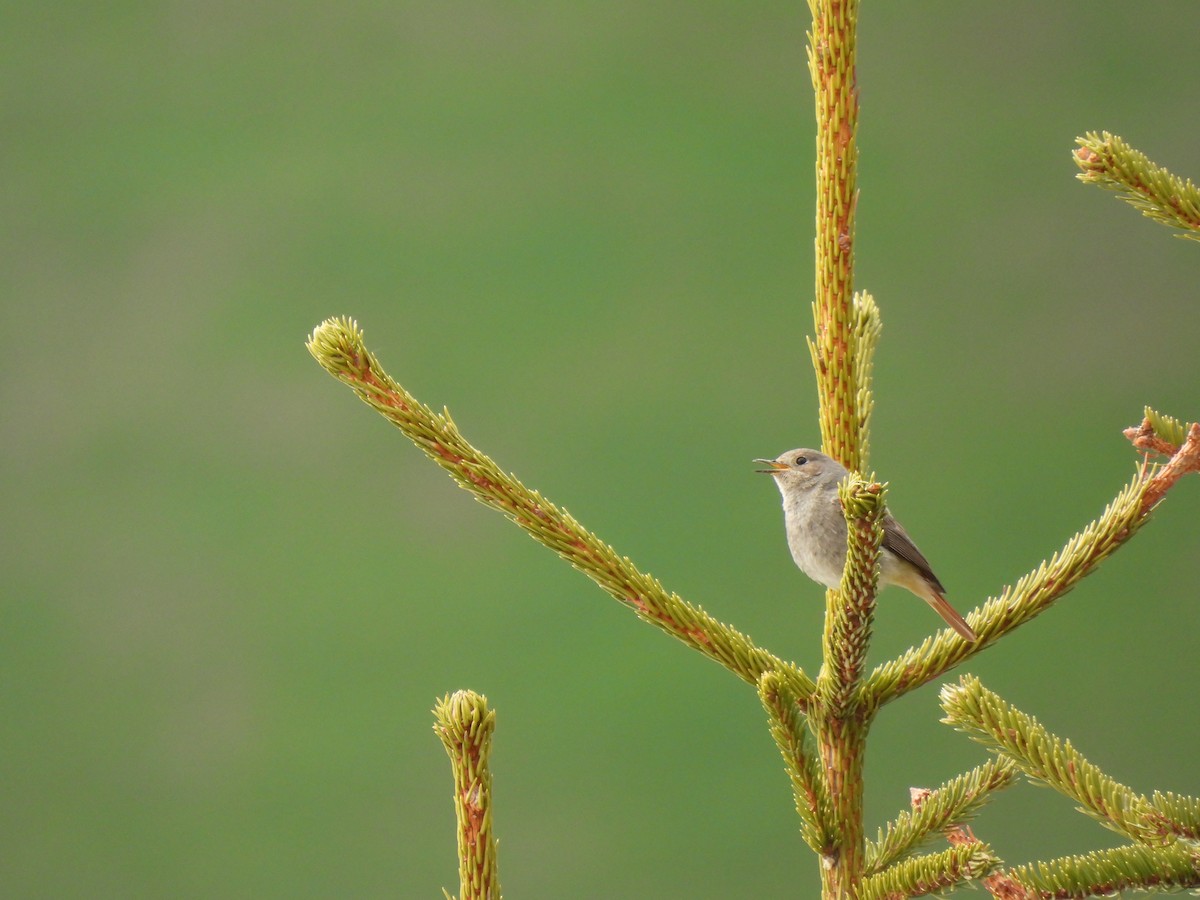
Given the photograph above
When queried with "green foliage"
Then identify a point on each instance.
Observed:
(1166, 854)
(865, 327)
(1168, 813)
(956, 801)
(1175, 867)
(1001, 727)
(1031, 595)
(930, 874)
(1108, 162)
(800, 760)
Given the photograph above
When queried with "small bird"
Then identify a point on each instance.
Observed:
(817, 533)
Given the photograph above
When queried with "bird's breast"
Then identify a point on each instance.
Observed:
(817, 538)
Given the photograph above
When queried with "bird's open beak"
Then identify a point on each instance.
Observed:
(775, 466)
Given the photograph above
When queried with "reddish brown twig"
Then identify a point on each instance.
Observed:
(1183, 459)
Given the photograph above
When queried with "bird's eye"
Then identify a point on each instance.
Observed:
(801, 460)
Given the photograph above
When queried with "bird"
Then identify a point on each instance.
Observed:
(817, 533)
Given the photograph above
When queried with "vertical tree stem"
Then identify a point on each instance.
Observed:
(841, 732)
(831, 61)
(843, 742)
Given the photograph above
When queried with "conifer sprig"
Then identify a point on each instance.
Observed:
(1108, 162)
(999, 883)
(1158, 819)
(800, 760)
(930, 874)
(1105, 873)
(337, 344)
(1034, 592)
(954, 802)
(862, 337)
(1165, 853)
(466, 725)
(998, 725)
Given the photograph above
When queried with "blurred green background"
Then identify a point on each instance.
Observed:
(231, 593)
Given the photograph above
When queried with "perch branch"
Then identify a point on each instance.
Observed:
(1016, 605)
(1037, 590)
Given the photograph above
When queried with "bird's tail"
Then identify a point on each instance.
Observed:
(950, 614)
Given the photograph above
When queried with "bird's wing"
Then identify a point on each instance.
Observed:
(896, 539)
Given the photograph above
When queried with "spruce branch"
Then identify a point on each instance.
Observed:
(1110, 163)
(864, 335)
(1103, 873)
(790, 732)
(929, 874)
(1165, 826)
(337, 344)
(936, 810)
(1032, 594)
(465, 725)
(1001, 727)
(850, 609)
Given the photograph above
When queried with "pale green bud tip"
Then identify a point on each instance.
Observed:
(862, 498)
(464, 713)
(336, 343)
(952, 696)
(769, 682)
